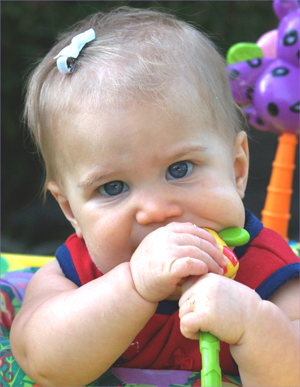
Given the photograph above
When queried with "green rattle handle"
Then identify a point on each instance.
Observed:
(211, 375)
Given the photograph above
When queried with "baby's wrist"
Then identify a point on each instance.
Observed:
(145, 295)
(254, 318)
(135, 289)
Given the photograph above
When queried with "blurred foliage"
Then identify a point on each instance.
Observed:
(28, 31)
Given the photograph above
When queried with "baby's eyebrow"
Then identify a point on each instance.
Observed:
(189, 149)
(91, 178)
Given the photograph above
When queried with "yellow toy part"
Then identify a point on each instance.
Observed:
(233, 263)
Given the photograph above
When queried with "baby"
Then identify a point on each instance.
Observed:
(144, 148)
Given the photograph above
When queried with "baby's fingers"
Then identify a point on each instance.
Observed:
(190, 325)
(185, 267)
(189, 228)
(191, 235)
(206, 253)
(194, 313)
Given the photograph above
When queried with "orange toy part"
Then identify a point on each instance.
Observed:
(276, 213)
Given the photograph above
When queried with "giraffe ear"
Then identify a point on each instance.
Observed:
(64, 205)
(241, 162)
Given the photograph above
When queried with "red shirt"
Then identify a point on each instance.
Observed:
(265, 264)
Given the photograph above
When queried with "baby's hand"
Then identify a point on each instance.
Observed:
(171, 253)
(218, 305)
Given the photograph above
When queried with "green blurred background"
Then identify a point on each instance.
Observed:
(28, 31)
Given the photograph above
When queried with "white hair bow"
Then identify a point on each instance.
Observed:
(66, 57)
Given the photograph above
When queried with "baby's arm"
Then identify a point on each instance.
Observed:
(68, 336)
(277, 341)
(264, 337)
(65, 335)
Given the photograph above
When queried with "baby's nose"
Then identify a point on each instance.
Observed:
(157, 210)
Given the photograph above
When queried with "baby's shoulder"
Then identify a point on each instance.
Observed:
(287, 299)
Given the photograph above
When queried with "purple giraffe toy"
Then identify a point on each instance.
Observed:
(268, 87)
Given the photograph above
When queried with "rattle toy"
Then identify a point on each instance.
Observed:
(211, 375)
(264, 79)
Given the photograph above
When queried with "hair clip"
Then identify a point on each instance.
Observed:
(66, 58)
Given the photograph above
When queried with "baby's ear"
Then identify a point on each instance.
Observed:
(241, 162)
(62, 200)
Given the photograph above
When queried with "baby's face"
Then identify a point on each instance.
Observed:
(130, 171)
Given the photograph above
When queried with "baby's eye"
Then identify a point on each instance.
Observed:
(179, 170)
(113, 188)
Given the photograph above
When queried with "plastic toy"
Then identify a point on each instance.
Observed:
(276, 212)
(211, 375)
(209, 345)
(267, 86)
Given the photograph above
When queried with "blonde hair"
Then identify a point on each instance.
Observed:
(138, 54)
